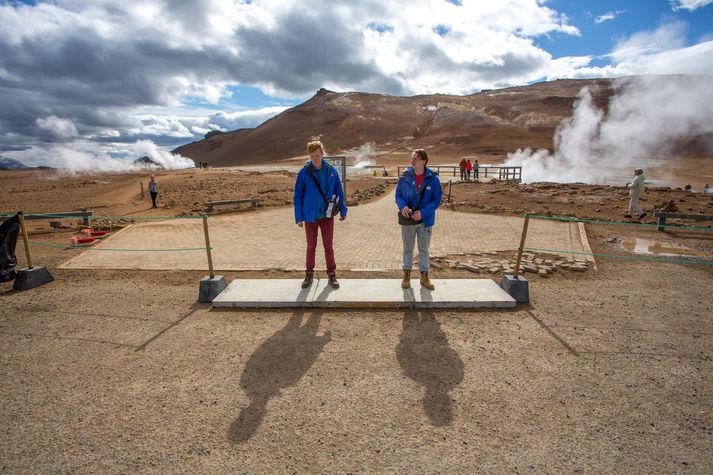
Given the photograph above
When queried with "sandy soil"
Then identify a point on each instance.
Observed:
(606, 371)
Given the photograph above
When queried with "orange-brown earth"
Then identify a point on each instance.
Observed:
(122, 371)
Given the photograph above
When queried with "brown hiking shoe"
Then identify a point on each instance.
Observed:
(309, 276)
(426, 282)
(406, 283)
(333, 280)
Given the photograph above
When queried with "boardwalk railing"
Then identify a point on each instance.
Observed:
(484, 171)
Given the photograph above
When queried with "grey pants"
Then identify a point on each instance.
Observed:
(409, 234)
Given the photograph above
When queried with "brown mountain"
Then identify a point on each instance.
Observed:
(491, 122)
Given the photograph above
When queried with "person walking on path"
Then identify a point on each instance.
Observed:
(468, 170)
(462, 166)
(636, 189)
(476, 166)
(418, 194)
(153, 190)
(317, 199)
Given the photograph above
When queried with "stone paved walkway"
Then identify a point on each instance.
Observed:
(370, 239)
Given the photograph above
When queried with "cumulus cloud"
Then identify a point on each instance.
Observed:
(659, 51)
(94, 64)
(99, 65)
(646, 119)
(689, 5)
(60, 128)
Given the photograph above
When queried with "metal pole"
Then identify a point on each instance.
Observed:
(450, 183)
(23, 229)
(207, 246)
(522, 245)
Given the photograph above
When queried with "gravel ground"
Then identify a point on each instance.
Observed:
(606, 371)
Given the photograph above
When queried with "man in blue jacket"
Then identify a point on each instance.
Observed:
(418, 194)
(316, 187)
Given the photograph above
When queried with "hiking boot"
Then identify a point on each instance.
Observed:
(406, 283)
(642, 215)
(333, 282)
(426, 282)
(309, 277)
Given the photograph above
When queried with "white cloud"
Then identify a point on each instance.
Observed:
(60, 128)
(608, 16)
(689, 5)
(661, 51)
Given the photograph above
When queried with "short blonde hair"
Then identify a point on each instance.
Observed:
(314, 145)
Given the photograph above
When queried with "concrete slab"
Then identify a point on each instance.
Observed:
(364, 293)
(461, 293)
(266, 293)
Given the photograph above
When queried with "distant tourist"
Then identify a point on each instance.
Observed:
(636, 189)
(706, 189)
(318, 198)
(418, 194)
(688, 187)
(468, 170)
(153, 190)
(463, 164)
(476, 166)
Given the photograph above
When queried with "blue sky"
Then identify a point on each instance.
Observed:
(103, 75)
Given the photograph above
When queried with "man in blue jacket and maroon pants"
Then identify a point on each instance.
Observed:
(317, 184)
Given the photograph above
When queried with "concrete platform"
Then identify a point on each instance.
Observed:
(363, 293)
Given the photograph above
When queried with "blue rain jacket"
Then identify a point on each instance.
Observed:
(307, 200)
(406, 194)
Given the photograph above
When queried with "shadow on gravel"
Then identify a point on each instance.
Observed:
(279, 362)
(426, 357)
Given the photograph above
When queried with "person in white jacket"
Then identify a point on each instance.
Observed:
(636, 189)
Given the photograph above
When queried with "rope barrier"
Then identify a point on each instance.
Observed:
(89, 248)
(615, 256)
(126, 218)
(624, 223)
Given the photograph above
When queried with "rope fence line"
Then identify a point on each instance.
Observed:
(125, 218)
(27, 243)
(90, 248)
(622, 223)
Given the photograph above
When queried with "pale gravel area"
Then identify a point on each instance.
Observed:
(121, 371)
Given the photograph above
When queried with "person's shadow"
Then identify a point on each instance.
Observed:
(425, 356)
(279, 362)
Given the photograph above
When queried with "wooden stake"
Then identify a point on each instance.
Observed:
(522, 245)
(207, 246)
(23, 229)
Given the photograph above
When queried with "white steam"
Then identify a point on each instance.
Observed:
(648, 117)
(363, 155)
(82, 156)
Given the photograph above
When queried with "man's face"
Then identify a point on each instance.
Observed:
(316, 155)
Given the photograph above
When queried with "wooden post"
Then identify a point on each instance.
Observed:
(142, 189)
(522, 245)
(23, 229)
(207, 246)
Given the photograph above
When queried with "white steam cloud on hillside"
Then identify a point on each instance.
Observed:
(647, 117)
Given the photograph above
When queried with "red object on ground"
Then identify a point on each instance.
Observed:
(82, 241)
(99, 234)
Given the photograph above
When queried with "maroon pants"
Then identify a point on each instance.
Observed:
(326, 228)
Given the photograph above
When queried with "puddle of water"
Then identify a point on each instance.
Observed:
(648, 246)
